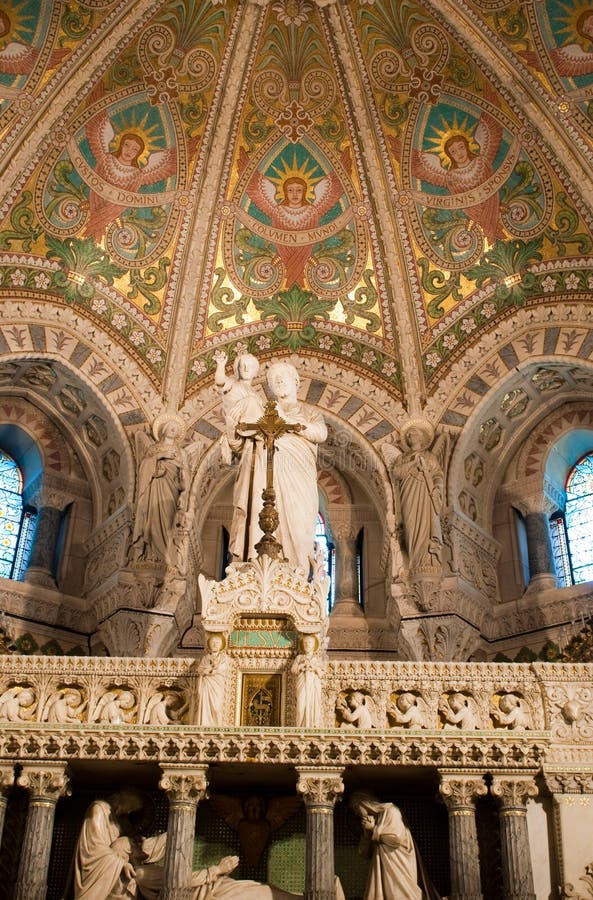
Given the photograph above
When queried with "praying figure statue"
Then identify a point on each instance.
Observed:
(309, 667)
(396, 871)
(164, 475)
(418, 483)
(113, 860)
(213, 670)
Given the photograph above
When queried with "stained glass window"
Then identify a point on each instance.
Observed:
(560, 551)
(579, 519)
(16, 524)
(329, 558)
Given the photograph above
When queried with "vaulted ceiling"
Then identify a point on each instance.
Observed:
(399, 192)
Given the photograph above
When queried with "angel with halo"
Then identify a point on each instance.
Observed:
(254, 819)
(165, 468)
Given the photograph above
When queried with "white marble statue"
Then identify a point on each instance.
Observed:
(295, 467)
(213, 670)
(459, 711)
(409, 710)
(357, 710)
(418, 483)
(295, 472)
(17, 704)
(393, 873)
(164, 473)
(512, 712)
(242, 403)
(111, 865)
(309, 667)
(64, 706)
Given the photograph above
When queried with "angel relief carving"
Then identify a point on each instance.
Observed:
(356, 710)
(459, 710)
(255, 819)
(408, 709)
(511, 711)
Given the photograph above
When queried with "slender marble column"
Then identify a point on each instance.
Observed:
(517, 873)
(6, 782)
(320, 790)
(539, 548)
(41, 560)
(185, 788)
(46, 784)
(459, 795)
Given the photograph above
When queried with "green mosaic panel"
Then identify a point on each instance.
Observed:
(270, 640)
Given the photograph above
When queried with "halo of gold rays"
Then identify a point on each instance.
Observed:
(569, 14)
(147, 134)
(22, 23)
(446, 132)
(285, 170)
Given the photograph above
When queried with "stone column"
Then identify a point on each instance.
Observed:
(572, 808)
(517, 873)
(184, 788)
(320, 788)
(539, 551)
(459, 794)
(46, 784)
(40, 569)
(6, 783)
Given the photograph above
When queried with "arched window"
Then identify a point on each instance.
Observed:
(329, 558)
(16, 521)
(572, 532)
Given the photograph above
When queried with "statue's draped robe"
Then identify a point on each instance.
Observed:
(419, 475)
(393, 874)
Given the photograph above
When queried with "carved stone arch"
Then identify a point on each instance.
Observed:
(86, 421)
(559, 334)
(492, 449)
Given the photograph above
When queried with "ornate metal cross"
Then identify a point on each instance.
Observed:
(270, 426)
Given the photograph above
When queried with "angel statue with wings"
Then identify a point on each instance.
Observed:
(418, 476)
(254, 819)
(164, 476)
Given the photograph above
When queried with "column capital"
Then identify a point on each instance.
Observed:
(45, 781)
(569, 782)
(6, 778)
(183, 785)
(513, 792)
(320, 787)
(461, 792)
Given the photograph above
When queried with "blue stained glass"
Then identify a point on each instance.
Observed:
(329, 558)
(579, 519)
(11, 511)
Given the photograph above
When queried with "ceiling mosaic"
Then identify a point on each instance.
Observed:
(357, 182)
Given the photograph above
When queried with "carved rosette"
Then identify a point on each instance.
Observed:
(320, 788)
(184, 787)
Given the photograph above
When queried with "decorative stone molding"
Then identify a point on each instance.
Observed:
(45, 781)
(183, 785)
(513, 792)
(460, 793)
(268, 587)
(569, 782)
(320, 788)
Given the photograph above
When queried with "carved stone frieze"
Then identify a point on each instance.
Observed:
(569, 782)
